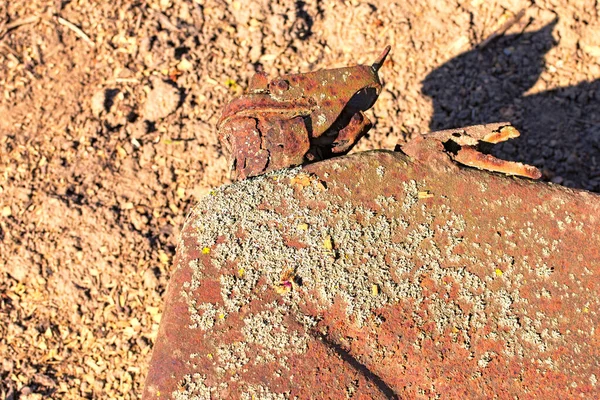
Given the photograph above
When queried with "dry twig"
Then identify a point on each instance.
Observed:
(165, 22)
(76, 30)
(17, 23)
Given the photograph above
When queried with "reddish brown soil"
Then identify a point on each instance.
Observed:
(107, 138)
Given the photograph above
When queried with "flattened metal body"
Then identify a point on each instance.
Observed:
(379, 275)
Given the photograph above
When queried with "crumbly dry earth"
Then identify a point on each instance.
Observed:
(107, 138)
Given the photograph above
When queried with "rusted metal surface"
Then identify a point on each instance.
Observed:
(461, 145)
(298, 118)
(382, 275)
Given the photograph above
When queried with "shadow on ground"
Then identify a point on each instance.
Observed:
(491, 84)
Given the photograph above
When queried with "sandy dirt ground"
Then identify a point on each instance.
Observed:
(107, 138)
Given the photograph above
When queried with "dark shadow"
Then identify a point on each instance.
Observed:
(181, 51)
(560, 129)
(109, 98)
(383, 387)
(304, 21)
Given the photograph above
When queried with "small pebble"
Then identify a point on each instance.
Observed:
(572, 159)
(162, 100)
(98, 102)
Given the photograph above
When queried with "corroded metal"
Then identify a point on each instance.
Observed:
(461, 144)
(384, 275)
(298, 118)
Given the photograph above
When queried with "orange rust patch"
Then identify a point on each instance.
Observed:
(468, 155)
(503, 134)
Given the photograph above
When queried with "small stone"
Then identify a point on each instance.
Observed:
(150, 280)
(127, 206)
(121, 151)
(32, 396)
(98, 103)
(557, 179)
(18, 269)
(163, 257)
(572, 159)
(103, 100)
(590, 43)
(463, 114)
(162, 101)
(185, 65)
(164, 4)
(7, 365)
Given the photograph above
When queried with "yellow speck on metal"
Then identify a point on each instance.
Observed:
(375, 290)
